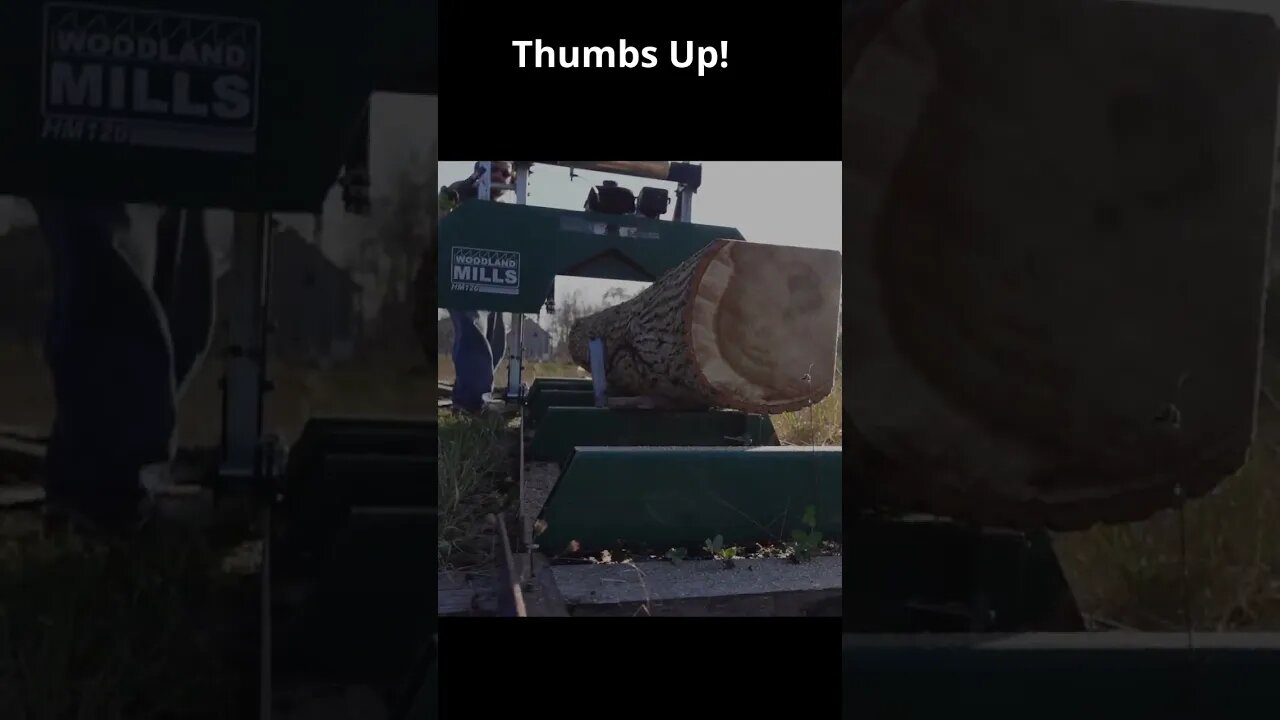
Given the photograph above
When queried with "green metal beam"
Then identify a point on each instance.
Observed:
(655, 498)
(561, 429)
(504, 257)
(558, 398)
(558, 384)
(557, 392)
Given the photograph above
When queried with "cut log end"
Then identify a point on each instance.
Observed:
(762, 325)
(746, 326)
(1013, 371)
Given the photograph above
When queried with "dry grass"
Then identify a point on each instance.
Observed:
(1137, 575)
(819, 424)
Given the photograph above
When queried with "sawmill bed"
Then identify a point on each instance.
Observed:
(757, 587)
(764, 587)
(748, 586)
(639, 492)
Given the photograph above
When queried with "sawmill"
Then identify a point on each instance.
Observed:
(668, 445)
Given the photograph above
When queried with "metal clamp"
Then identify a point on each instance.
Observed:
(596, 347)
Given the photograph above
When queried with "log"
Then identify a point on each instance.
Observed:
(740, 325)
(1056, 219)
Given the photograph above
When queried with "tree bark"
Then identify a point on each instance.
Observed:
(1055, 221)
(740, 325)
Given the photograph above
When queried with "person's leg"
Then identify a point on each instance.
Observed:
(184, 283)
(498, 341)
(110, 363)
(472, 360)
(497, 337)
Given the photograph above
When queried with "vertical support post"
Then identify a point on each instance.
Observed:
(522, 179)
(244, 376)
(522, 184)
(514, 358)
(484, 183)
(266, 689)
(484, 190)
(515, 353)
(684, 203)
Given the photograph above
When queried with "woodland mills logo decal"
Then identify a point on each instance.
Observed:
(485, 271)
(148, 78)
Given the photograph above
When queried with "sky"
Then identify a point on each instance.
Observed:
(781, 203)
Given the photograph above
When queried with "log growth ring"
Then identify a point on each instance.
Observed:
(752, 322)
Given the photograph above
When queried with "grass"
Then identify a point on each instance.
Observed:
(471, 465)
(1137, 575)
(115, 631)
(156, 628)
(472, 475)
(819, 424)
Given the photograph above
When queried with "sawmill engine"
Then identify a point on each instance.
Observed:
(610, 199)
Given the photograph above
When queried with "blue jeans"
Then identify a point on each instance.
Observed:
(479, 340)
(111, 354)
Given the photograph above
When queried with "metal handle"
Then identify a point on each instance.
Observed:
(652, 169)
